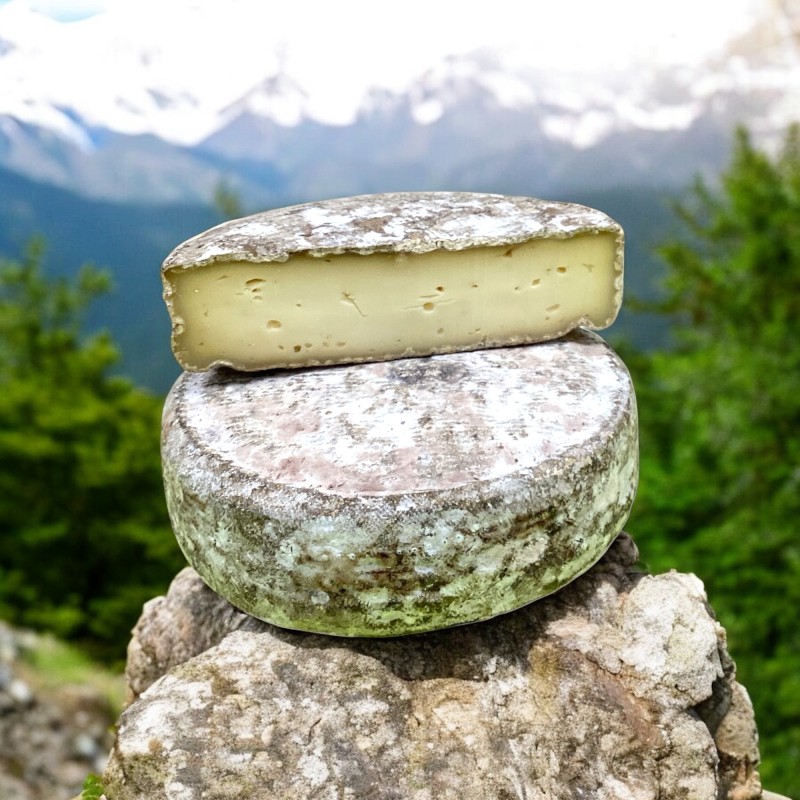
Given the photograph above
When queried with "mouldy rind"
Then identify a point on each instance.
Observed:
(385, 276)
(401, 222)
(302, 499)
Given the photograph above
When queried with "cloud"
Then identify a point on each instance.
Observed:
(67, 10)
(568, 32)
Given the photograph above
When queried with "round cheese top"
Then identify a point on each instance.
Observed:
(410, 425)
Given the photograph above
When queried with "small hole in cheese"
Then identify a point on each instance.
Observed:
(313, 302)
(297, 348)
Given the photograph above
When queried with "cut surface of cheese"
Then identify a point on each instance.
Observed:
(389, 498)
(388, 276)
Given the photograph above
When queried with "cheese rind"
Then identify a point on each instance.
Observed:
(386, 276)
(390, 498)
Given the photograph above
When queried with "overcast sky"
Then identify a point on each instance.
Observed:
(596, 31)
(68, 10)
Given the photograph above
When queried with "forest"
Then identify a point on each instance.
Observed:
(83, 524)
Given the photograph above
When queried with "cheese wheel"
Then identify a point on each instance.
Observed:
(403, 496)
(386, 276)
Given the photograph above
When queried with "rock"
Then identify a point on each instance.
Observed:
(392, 498)
(618, 686)
(50, 737)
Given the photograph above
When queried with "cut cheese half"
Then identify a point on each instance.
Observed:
(387, 276)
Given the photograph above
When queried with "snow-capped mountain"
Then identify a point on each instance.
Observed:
(162, 102)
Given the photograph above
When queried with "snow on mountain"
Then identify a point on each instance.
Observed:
(278, 98)
(176, 69)
(308, 88)
(109, 71)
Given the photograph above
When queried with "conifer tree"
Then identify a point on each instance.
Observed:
(720, 417)
(83, 525)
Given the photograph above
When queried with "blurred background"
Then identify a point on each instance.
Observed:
(128, 126)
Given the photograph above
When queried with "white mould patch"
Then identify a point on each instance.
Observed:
(412, 222)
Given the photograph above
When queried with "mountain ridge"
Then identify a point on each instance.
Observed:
(157, 122)
(131, 240)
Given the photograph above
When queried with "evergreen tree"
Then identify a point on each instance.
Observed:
(720, 424)
(227, 202)
(83, 525)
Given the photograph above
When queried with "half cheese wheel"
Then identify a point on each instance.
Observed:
(386, 276)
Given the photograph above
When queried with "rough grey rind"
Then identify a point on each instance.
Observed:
(619, 686)
(422, 537)
(402, 222)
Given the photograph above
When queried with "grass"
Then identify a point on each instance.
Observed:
(48, 665)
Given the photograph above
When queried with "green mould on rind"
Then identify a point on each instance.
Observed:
(393, 498)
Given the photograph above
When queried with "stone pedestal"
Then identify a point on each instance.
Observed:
(618, 686)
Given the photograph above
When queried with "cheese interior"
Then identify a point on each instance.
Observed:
(350, 307)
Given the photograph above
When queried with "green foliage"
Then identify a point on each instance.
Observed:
(83, 525)
(227, 202)
(92, 788)
(720, 427)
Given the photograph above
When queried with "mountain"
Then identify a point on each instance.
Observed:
(127, 106)
(132, 239)
(116, 131)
